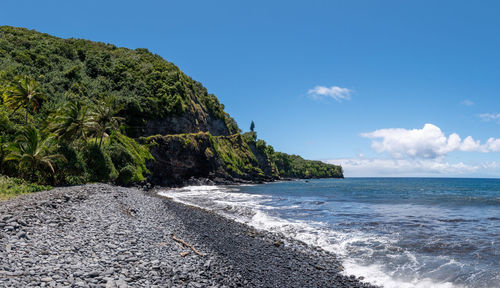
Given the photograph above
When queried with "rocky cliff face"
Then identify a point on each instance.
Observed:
(223, 159)
(264, 163)
(187, 123)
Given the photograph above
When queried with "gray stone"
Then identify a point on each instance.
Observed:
(93, 274)
(46, 279)
(6, 217)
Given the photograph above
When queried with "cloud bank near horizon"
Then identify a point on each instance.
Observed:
(378, 167)
(426, 143)
(418, 152)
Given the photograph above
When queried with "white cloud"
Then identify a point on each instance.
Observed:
(490, 116)
(375, 167)
(335, 92)
(492, 145)
(426, 143)
(419, 152)
(490, 165)
(467, 102)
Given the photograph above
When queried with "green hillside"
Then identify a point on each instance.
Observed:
(150, 88)
(75, 111)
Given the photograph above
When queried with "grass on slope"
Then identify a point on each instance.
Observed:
(12, 187)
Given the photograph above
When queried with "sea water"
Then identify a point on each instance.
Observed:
(395, 232)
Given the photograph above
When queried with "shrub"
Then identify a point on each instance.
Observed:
(73, 171)
(99, 164)
(126, 175)
(120, 156)
(126, 151)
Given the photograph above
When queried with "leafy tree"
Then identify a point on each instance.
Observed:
(23, 92)
(252, 126)
(34, 151)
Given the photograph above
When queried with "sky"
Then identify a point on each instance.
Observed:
(385, 88)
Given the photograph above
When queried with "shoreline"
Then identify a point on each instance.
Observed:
(99, 235)
(200, 181)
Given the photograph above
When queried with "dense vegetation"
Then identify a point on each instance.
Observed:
(147, 86)
(11, 187)
(281, 165)
(69, 146)
(72, 112)
(202, 155)
(292, 166)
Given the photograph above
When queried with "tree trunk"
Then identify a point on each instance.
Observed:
(15, 110)
(102, 136)
(32, 173)
(26, 116)
(2, 155)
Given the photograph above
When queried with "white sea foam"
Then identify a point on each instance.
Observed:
(251, 209)
(375, 275)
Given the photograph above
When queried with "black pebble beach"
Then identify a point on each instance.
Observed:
(106, 236)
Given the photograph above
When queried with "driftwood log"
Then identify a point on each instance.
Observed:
(187, 245)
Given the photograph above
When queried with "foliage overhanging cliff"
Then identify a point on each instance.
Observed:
(180, 130)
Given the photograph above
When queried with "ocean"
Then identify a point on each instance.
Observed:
(395, 232)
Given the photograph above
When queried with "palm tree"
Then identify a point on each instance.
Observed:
(103, 117)
(32, 150)
(23, 92)
(72, 121)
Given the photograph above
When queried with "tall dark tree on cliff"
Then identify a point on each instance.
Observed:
(252, 126)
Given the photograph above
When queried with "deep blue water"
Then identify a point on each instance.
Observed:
(399, 232)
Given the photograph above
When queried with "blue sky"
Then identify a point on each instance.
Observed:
(327, 80)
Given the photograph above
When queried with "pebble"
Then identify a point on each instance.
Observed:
(46, 279)
(93, 274)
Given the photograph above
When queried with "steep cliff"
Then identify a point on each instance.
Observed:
(224, 159)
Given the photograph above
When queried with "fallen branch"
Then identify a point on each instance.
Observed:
(187, 245)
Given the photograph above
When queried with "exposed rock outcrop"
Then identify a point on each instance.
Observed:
(223, 159)
(187, 123)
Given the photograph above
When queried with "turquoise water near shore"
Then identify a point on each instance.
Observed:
(397, 232)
